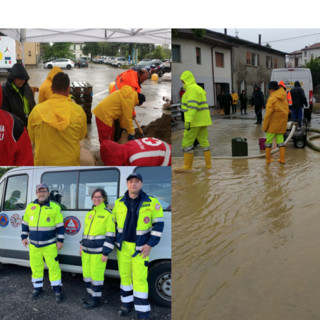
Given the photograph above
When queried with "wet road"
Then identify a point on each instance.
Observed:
(246, 236)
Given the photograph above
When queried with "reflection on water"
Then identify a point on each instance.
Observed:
(246, 239)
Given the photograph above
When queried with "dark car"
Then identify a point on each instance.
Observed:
(82, 63)
(153, 66)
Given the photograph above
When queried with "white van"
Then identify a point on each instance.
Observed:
(7, 53)
(289, 76)
(72, 188)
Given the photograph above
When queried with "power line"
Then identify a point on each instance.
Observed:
(309, 35)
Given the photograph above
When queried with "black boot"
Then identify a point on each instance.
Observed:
(92, 304)
(35, 293)
(123, 311)
(58, 297)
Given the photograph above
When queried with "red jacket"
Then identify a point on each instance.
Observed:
(140, 152)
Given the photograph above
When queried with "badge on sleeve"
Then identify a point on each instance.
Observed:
(146, 220)
(33, 208)
(48, 219)
(157, 206)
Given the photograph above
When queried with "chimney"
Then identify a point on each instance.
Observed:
(260, 39)
(225, 31)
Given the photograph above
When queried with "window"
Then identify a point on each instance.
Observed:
(248, 55)
(268, 62)
(198, 55)
(176, 53)
(16, 193)
(157, 182)
(219, 59)
(305, 53)
(255, 59)
(275, 62)
(1, 191)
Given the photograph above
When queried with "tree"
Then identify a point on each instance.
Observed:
(92, 48)
(314, 66)
(267, 45)
(57, 50)
(158, 53)
(3, 170)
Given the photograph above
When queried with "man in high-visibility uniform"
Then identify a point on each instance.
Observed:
(43, 224)
(197, 118)
(139, 226)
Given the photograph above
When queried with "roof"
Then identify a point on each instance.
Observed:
(295, 53)
(313, 46)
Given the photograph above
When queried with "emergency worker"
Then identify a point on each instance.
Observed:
(258, 102)
(118, 105)
(140, 152)
(43, 224)
(197, 118)
(97, 242)
(289, 98)
(139, 224)
(17, 94)
(275, 120)
(15, 145)
(57, 126)
(235, 98)
(45, 91)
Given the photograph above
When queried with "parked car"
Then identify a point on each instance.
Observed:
(82, 63)
(61, 62)
(153, 66)
(120, 61)
(167, 65)
(109, 60)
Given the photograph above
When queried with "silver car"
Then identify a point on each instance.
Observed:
(61, 63)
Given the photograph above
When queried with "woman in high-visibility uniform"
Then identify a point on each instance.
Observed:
(97, 242)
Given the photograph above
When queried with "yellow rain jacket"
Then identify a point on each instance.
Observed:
(118, 105)
(45, 91)
(277, 109)
(56, 127)
(195, 98)
(234, 98)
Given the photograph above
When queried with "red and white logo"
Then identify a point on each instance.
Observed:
(72, 225)
(158, 207)
(146, 220)
(15, 220)
(33, 208)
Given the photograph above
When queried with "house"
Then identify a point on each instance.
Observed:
(76, 48)
(222, 62)
(295, 59)
(310, 52)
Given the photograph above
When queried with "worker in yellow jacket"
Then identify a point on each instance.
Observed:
(45, 91)
(197, 118)
(235, 98)
(275, 120)
(118, 105)
(97, 242)
(57, 126)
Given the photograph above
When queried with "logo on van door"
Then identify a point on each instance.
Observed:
(15, 220)
(72, 225)
(4, 220)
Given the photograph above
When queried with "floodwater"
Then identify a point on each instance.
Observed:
(246, 236)
(100, 76)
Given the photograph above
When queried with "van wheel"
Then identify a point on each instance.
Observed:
(159, 279)
(49, 66)
(68, 67)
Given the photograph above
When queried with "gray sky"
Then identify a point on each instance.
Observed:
(302, 37)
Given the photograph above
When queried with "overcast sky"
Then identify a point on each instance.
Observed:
(296, 38)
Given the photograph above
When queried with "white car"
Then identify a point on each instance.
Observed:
(61, 63)
(120, 61)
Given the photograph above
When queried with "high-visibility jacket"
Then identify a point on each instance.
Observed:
(195, 97)
(235, 98)
(43, 224)
(99, 231)
(139, 152)
(130, 78)
(277, 109)
(45, 91)
(118, 105)
(56, 127)
(289, 98)
(150, 221)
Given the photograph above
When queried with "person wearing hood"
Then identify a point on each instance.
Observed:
(118, 105)
(298, 101)
(45, 91)
(17, 94)
(235, 98)
(15, 145)
(56, 127)
(275, 120)
(197, 118)
(258, 102)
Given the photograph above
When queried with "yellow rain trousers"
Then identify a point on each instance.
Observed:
(56, 128)
(45, 91)
(50, 255)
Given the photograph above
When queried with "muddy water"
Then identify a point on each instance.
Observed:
(246, 239)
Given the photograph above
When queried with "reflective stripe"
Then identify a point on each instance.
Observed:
(93, 249)
(87, 279)
(184, 104)
(183, 110)
(193, 101)
(117, 244)
(188, 149)
(138, 248)
(97, 283)
(93, 293)
(120, 230)
(108, 245)
(25, 223)
(38, 285)
(142, 308)
(147, 154)
(25, 232)
(156, 233)
(110, 234)
(202, 109)
(58, 225)
(160, 219)
(167, 156)
(35, 280)
(56, 283)
(44, 242)
(127, 299)
(85, 236)
(42, 228)
(206, 149)
(142, 232)
(126, 288)
(281, 144)
(268, 145)
(203, 102)
(196, 108)
(141, 295)
(60, 236)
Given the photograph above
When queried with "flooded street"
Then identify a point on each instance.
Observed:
(246, 235)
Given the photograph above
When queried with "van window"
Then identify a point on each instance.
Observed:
(157, 182)
(107, 179)
(16, 193)
(1, 191)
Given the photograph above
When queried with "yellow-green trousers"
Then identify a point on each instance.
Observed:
(50, 255)
(134, 283)
(189, 136)
(93, 274)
